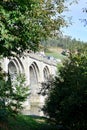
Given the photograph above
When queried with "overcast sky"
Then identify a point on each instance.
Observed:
(77, 29)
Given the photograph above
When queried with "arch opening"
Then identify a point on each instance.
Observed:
(34, 98)
(34, 74)
(46, 73)
(12, 69)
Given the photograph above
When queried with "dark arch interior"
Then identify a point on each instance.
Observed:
(46, 73)
(12, 69)
(34, 73)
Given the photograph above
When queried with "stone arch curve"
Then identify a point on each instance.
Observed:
(19, 64)
(34, 86)
(12, 69)
(34, 73)
(46, 73)
(15, 67)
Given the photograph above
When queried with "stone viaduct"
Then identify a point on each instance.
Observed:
(37, 68)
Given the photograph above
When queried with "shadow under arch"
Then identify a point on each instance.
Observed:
(12, 69)
(15, 67)
(18, 63)
(46, 73)
(34, 73)
(34, 86)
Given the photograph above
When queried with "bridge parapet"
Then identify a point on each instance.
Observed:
(43, 58)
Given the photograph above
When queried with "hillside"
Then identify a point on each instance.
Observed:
(54, 46)
(55, 52)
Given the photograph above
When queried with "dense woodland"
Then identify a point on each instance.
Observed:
(64, 42)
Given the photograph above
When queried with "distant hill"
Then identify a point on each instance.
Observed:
(55, 47)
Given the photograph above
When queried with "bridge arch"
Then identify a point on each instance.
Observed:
(46, 73)
(20, 64)
(34, 73)
(12, 69)
(15, 67)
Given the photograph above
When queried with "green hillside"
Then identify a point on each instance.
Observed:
(22, 122)
(55, 52)
(55, 46)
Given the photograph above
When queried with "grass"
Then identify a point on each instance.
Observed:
(55, 55)
(55, 52)
(22, 122)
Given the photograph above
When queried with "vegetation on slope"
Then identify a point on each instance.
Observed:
(66, 101)
(55, 52)
(22, 122)
(56, 46)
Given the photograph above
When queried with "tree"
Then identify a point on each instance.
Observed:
(65, 43)
(23, 24)
(18, 94)
(66, 101)
(12, 96)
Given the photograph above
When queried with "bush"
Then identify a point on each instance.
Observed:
(12, 96)
(66, 102)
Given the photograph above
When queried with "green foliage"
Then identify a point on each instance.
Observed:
(64, 43)
(23, 24)
(55, 55)
(66, 102)
(12, 96)
(19, 94)
(3, 112)
(23, 122)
